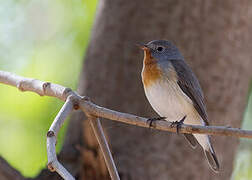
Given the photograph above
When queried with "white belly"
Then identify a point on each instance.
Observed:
(168, 100)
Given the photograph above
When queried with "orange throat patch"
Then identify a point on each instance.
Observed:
(150, 72)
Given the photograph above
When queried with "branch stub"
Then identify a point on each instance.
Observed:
(50, 134)
(50, 167)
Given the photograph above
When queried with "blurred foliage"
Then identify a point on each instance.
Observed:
(44, 40)
(243, 160)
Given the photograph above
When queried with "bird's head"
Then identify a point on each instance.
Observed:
(161, 50)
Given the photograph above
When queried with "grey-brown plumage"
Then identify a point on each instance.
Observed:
(189, 84)
(191, 140)
(174, 92)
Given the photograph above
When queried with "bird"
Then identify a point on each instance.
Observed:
(174, 92)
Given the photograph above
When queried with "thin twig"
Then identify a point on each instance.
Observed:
(162, 125)
(97, 128)
(76, 101)
(34, 85)
(53, 163)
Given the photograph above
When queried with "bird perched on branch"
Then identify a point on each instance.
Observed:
(175, 93)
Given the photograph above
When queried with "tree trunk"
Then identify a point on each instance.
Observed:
(215, 39)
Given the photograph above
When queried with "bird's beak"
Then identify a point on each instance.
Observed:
(142, 46)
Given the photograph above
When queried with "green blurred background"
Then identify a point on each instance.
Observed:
(44, 40)
(47, 40)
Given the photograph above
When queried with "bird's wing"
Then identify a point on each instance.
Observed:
(189, 84)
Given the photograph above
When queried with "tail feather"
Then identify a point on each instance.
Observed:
(212, 160)
(191, 140)
(205, 142)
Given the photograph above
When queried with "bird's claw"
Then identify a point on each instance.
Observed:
(178, 124)
(151, 120)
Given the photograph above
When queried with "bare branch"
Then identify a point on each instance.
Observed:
(97, 128)
(162, 125)
(53, 163)
(75, 101)
(34, 85)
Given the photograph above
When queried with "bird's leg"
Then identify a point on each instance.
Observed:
(151, 120)
(178, 123)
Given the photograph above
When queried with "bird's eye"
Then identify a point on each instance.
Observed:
(160, 48)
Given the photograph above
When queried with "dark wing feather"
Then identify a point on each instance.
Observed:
(191, 140)
(189, 84)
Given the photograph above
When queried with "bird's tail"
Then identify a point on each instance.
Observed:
(204, 141)
(212, 159)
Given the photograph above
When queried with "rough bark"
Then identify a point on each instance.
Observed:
(214, 37)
